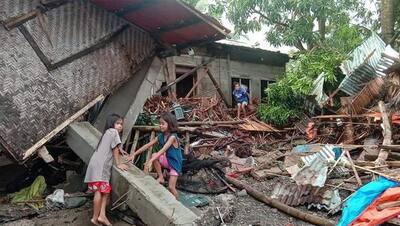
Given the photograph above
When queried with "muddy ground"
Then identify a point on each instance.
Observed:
(242, 209)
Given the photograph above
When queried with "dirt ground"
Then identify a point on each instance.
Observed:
(71, 217)
(245, 211)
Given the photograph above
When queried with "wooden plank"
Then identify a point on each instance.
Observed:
(150, 151)
(165, 88)
(15, 22)
(135, 141)
(387, 135)
(45, 139)
(187, 145)
(218, 88)
(195, 85)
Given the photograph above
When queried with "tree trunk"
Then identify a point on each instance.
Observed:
(387, 19)
(322, 28)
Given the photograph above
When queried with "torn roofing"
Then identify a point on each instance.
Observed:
(360, 68)
(170, 21)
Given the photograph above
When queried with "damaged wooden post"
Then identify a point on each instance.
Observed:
(187, 145)
(218, 88)
(150, 151)
(280, 206)
(135, 141)
(387, 135)
(165, 88)
(354, 168)
(195, 85)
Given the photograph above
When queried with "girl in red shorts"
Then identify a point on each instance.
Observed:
(98, 172)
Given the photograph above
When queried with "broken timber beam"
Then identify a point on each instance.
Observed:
(195, 85)
(218, 88)
(213, 123)
(45, 6)
(165, 88)
(152, 202)
(182, 130)
(387, 135)
(60, 127)
(279, 205)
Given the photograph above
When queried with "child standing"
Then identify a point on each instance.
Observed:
(241, 98)
(98, 172)
(169, 156)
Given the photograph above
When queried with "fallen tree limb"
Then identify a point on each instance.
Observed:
(279, 205)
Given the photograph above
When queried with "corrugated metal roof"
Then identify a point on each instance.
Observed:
(313, 169)
(170, 21)
(388, 59)
(318, 92)
(364, 97)
(295, 195)
(360, 68)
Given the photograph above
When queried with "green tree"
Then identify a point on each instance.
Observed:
(303, 24)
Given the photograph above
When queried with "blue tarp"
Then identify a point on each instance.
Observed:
(364, 196)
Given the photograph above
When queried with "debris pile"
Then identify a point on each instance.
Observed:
(321, 162)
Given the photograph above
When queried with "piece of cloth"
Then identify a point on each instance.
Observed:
(101, 186)
(33, 192)
(240, 95)
(371, 216)
(243, 103)
(99, 168)
(56, 199)
(361, 198)
(164, 163)
(173, 154)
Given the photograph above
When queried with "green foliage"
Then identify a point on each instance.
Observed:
(286, 100)
(299, 23)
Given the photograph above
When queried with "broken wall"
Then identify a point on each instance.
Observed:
(54, 64)
(224, 70)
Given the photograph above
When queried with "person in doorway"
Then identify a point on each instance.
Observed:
(241, 97)
(169, 156)
(98, 172)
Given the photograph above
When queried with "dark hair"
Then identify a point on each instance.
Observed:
(236, 84)
(110, 121)
(171, 120)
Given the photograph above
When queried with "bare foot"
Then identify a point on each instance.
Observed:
(95, 222)
(104, 220)
(161, 180)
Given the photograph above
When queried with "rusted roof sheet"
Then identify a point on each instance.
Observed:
(366, 95)
(170, 21)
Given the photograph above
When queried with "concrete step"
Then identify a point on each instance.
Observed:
(153, 203)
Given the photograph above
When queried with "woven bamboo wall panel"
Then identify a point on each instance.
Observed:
(71, 28)
(13, 8)
(34, 101)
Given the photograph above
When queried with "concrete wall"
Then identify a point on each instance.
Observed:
(223, 70)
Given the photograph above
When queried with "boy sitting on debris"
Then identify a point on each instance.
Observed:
(98, 172)
(241, 98)
(169, 156)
